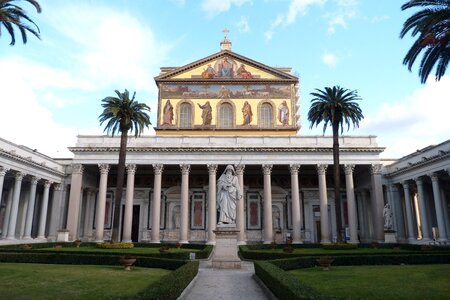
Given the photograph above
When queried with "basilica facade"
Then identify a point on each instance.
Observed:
(224, 109)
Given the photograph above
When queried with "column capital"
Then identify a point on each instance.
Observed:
(58, 186)
(158, 169)
(47, 184)
(19, 176)
(34, 180)
(104, 169)
(293, 168)
(3, 170)
(434, 176)
(212, 169)
(348, 169)
(418, 180)
(267, 169)
(131, 169)
(393, 187)
(239, 169)
(185, 169)
(375, 169)
(321, 169)
(77, 169)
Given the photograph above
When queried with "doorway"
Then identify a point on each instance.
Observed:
(134, 224)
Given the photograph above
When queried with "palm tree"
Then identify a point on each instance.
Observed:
(122, 115)
(13, 15)
(335, 106)
(432, 25)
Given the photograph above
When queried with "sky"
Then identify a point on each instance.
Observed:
(51, 89)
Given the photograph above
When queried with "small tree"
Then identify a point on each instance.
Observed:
(123, 115)
(335, 106)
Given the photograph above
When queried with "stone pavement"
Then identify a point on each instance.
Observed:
(225, 284)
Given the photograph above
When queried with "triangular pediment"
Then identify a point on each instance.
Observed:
(225, 66)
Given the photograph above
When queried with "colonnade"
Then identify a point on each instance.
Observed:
(13, 198)
(413, 203)
(267, 230)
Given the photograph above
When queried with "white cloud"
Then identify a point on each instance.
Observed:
(215, 7)
(347, 9)
(418, 120)
(104, 50)
(242, 25)
(296, 7)
(329, 59)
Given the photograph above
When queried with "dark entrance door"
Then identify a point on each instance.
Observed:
(135, 224)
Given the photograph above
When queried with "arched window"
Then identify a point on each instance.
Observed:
(266, 120)
(226, 116)
(185, 115)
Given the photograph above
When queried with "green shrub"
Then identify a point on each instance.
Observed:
(109, 245)
(339, 246)
(282, 284)
(172, 285)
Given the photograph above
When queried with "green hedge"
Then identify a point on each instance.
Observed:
(86, 259)
(282, 284)
(172, 285)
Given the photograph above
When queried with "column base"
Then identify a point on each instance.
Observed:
(267, 242)
(353, 242)
(297, 242)
(41, 238)
(240, 243)
(11, 238)
(184, 242)
(325, 242)
(210, 242)
(126, 241)
(27, 238)
(155, 241)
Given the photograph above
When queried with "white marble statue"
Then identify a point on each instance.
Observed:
(228, 193)
(387, 214)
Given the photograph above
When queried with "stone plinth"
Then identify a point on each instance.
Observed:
(226, 250)
(389, 237)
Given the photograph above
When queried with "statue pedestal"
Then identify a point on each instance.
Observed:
(226, 251)
(389, 237)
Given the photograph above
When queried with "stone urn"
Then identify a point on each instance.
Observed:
(127, 261)
(325, 262)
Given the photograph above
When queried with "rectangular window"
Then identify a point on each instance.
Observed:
(198, 211)
(253, 211)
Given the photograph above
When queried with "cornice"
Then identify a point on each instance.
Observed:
(28, 162)
(225, 149)
(425, 161)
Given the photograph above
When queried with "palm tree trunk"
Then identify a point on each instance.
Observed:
(119, 186)
(337, 182)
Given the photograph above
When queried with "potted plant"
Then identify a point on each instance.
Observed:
(27, 247)
(77, 243)
(164, 249)
(178, 245)
(127, 261)
(325, 262)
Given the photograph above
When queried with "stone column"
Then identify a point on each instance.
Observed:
(268, 222)
(15, 207)
(422, 208)
(156, 203)
(184, 239)
(101, 203)
(409, 212)
(74, 201)
(240, 214)
(351, 204)
(3, 171)
(212, 209)
(323, 197)
(438, 207)
(30, 208)
(57, 212)
(296, 210)
(377, 203)
(44, 209)
(128, 218)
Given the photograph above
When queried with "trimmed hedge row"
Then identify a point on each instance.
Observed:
(282, 284)
(87, 259)
(172, 285)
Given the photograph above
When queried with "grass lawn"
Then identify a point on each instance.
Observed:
(135, 250)
(380, 282)
(42, 281)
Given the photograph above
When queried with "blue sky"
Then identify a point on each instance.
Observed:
(52, 88)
